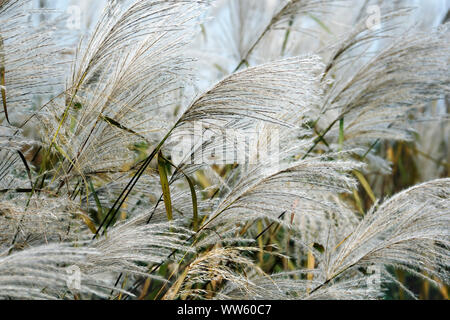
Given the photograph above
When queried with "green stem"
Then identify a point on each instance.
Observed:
(127, 190)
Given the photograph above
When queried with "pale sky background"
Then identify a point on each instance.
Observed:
(430, 13)
(91, 9)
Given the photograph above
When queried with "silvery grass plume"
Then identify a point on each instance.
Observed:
(125, 80)
(45, 220)
(409, 231)
(387, 87)
(41, 271)
(263, 201)
(30, 61)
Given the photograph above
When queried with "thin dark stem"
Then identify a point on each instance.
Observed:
(269, 226)
(261, 36)
(124, 194)
(320, 138)
(130, 186)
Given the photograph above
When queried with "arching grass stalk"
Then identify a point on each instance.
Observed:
(127, 190)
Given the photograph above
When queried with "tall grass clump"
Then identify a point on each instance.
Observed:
(225, 149)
